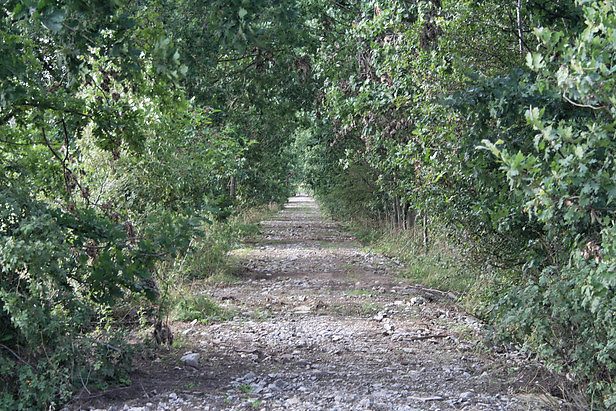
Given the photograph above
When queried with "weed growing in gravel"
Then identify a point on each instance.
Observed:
(370, 308)
(463, 330)
(199, 307)
(354, 276)
(243, 251)
(261, 314)
(178, 343)
(333, 245)
(223, 276)
(246, 388)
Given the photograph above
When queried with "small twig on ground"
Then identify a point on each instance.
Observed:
(144, 391)
(427, 337)
(432, 290)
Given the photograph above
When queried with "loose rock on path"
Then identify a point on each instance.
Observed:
(321, 324)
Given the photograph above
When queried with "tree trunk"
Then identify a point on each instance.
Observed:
(393, 215)
(411, 217)
(520, 38)
(425, 230)
(232, 187)
(396, 213)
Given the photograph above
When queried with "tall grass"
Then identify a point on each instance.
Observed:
(183, 282)
(445, 263)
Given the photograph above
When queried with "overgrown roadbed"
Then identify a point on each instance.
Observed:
(321, 324)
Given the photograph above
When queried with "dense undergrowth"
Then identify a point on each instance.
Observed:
(61, 336)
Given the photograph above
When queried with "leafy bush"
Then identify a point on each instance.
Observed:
(566, 316)
(566, 180)
(56, 268)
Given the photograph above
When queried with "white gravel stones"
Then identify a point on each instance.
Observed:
(417, 300)
(380, 316)
(191, 359)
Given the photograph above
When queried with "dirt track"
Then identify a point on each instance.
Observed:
(321, 324)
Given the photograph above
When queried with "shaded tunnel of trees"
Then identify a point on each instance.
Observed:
(132, 130)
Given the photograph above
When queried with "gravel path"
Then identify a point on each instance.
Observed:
(321, 324)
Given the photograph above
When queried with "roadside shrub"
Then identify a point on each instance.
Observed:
(57, 267)
(564, 308)
(566, 315)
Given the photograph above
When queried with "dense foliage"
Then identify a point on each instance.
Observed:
(115, 150)
(491, 124)
(130, 130)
